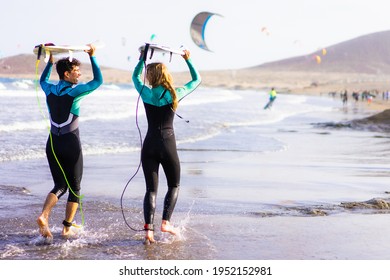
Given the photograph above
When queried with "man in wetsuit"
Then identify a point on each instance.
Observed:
(159, 147)
(272, 97)
(63, 102)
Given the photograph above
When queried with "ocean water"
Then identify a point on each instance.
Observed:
(241, 167)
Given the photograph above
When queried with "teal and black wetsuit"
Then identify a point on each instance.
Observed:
(63, 102)
(160, 144)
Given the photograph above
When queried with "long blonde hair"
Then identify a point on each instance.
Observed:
(157, 74)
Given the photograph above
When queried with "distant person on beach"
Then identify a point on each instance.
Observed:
(161, 100)
(63, 102)
(355, 96)
(272, 97)
(344, 97)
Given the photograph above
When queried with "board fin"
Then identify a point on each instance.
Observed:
(70, 55)
(150, 51)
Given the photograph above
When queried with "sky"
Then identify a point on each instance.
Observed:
(245, 33)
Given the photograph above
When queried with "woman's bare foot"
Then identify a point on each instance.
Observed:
(149, 237)
(44, 227)
(167, 227)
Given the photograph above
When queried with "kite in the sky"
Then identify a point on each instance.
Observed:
(198, 27)
(265, 31)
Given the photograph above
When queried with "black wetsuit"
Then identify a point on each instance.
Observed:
(63, 102)
(159, 146)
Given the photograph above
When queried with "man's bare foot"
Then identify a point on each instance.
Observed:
(167, 227)
(44, 227)
(149, 237)
(67, 232)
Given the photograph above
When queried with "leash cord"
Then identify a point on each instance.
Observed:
(136, 172)
(140, 160)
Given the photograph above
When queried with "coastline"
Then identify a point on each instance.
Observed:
(320, 80)
(232, 198)
(300, 83)
(286, 82)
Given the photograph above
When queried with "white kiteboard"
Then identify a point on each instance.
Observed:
(156, 52)
(46, 49)
(161, 48)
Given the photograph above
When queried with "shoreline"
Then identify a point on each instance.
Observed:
(231, 199)
(285, 82)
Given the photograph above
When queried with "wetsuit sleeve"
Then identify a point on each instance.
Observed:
(192, 85)
(44, 81)
(97, 74)
(145, 91)
(138, 83)
(84, 89)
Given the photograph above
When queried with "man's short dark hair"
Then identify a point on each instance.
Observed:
(64, 64)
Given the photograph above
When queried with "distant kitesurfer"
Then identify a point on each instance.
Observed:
(63, 102)
(272, 97)
(161, 100)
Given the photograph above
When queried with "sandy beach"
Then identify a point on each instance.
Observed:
(284, 184)
(306, 180)
(300, 188)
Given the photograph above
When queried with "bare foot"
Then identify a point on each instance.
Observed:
(44, 227)
(167, 227)
(67, 232)
(149, 237)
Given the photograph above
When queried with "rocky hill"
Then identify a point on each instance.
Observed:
(357, 64)
(368, 54)
(24, 66)
(362, 63)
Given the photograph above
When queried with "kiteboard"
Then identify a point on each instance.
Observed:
(157, 52)
(269, 104)
(161, 48)
(50, 48)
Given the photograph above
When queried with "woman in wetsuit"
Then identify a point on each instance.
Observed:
(159, 147)
(63, 102)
